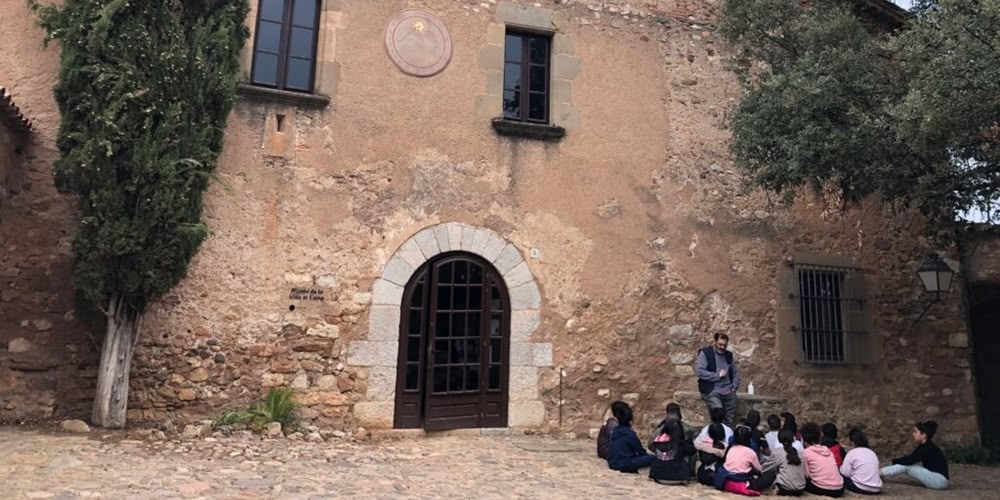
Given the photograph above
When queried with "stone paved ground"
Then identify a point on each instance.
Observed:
(36, 464)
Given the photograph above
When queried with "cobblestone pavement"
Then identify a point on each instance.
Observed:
(36, 464)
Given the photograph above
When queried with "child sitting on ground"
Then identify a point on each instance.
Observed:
(742, 472)
(717, 415)
(671, 450)
(773, 425)
(788, 422)
(821, 471)
(829, 440)
(860, 468)
(711, 451)
(604, 436)
(785, 462)
(933, 471)
(625, 451)
(673, 412)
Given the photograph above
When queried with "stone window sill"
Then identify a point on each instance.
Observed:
(265, 94)
(527, 130)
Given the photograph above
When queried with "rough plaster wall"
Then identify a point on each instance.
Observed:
(646, 242)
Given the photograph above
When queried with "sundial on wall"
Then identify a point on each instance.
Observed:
(418, 43)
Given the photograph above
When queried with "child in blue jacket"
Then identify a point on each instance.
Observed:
(625, 451)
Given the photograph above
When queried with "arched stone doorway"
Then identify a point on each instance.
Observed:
(454, 346)
(379, 353)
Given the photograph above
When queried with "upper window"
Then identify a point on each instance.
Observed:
(284, 54)
(526, 77)
(828, 297)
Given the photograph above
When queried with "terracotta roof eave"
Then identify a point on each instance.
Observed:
(11, 113)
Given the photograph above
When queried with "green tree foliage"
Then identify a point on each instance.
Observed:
(911, 117)
(145, 87)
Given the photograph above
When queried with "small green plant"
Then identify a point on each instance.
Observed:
(276, 407)
(970, 454)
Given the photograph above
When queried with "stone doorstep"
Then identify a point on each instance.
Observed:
(421, 433)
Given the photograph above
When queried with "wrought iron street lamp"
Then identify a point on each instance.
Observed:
(936, 276)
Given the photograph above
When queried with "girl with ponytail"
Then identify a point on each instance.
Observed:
(785, 461)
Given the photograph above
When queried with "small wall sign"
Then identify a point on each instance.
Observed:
(306, 294)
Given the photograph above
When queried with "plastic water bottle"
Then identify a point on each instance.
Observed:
(750, 389)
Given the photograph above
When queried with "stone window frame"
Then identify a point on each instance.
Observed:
(564, 67)
(326, 73)
(864, 350)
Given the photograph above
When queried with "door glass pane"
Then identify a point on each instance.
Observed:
(417, 299)
(269, 36)
(494, 377)
(512, 104)
(511, 76)
(444, 298)
(538, 49)
(476, 298)
(536, 106)
(272, 10)
(472, 351)
(476, 275)
(536, 78)
(444, 273)
(472, 378)
(460, 299)
(461, 272)
(475, 324)
(456, 380)
(413, 323)
(440, 380)
(441, 327)
(299, 73)
(457, 350)
(413, 349)
(512, 48)
(495, 321)
(302, 44)
(440, 352)
(304, 13)
(458, 325)
(495, 351)
(497, 304)
(412, 377)
(265, 69)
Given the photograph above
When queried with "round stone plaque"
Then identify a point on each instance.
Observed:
(418, 43)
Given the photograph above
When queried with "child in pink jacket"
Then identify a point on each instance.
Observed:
(822, 474)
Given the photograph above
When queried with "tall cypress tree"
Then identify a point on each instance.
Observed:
(145, 88)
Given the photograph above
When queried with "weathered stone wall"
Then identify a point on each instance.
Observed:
(634, 229)
(47, 361)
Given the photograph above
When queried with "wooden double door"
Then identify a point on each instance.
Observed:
(454, 344)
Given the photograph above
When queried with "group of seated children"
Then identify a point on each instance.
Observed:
(747, 461)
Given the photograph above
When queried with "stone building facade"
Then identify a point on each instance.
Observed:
(613, 233)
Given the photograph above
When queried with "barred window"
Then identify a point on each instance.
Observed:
(831, 303)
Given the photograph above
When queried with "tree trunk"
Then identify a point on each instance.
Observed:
(111, 400)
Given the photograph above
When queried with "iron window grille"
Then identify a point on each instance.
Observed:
(831, 301)
(284, 52)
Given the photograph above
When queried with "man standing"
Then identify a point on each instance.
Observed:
(718, 379)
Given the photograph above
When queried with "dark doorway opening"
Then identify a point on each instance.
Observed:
(985, 318)
(454, 344)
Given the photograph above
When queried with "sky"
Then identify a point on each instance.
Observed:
(906, 4)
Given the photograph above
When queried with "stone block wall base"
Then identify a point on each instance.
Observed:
(522, 414)
(374, 414)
